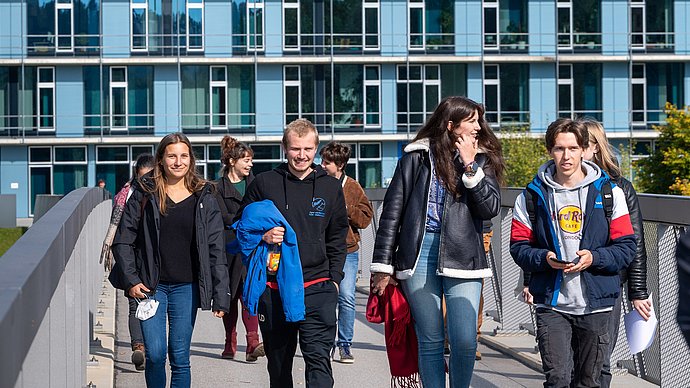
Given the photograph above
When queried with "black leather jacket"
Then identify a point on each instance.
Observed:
(402, 223)
(636, 273)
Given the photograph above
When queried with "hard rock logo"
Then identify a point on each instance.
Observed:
(570, 219)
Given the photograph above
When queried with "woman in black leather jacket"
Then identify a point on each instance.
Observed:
(430, 233)
(599, 152)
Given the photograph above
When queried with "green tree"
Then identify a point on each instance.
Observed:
(667, 170)
(523, 155)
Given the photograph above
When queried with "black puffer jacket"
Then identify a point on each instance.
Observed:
(136, 245)
(402, 223)
(636, 273)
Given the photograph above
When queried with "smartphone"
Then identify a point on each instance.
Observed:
(555, 259)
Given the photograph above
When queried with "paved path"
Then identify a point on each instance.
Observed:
(369, 370)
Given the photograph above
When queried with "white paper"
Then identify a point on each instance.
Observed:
(640, 333)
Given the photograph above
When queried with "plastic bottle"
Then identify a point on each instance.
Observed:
(273, 259)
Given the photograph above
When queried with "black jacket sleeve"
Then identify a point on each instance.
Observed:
(217, 259)
(637, 270)
(336, 231)
(484, 198)
(683, 262)
(126, 238)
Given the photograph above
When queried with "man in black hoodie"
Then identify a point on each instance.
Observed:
(313, 204)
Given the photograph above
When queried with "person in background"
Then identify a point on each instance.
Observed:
(313, 204)
(170, 248)
(143, 165)
(601, 153)
(237, 166)
(430, 233)
(334, 157)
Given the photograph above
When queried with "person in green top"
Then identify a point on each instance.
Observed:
(237, 164)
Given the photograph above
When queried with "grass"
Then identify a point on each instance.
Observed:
(8, 236)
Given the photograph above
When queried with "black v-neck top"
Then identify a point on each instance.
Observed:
(179, 255)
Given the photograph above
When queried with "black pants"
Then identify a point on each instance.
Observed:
(134, 323)
(316, 335)
(614, 325)
(567, 341)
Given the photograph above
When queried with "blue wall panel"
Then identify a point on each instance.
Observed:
(388, 98)
(394, 27)
(12, 29)
(273, 36)
(475, 82)
(218, 32)
(542, 95)
(541, 22)
(681, 15)
(14, 169)
(269, 97)
(468, 27)
(389, 153)
(69, 101)
(614, 27)
(615, 96)
(166, 97)
(116, 28)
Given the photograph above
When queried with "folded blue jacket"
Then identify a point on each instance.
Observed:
(257, 219)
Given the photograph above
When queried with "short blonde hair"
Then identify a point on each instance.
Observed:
(301, 127)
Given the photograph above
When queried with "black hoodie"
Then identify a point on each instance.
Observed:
(315, 208)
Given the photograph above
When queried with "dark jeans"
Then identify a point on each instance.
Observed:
(567, 340)
(614, 325)
(134, 323)
(316, 335)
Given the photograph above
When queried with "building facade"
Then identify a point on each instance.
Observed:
(87, 85)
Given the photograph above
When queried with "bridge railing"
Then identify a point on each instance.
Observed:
(664, 363)
(49, 283)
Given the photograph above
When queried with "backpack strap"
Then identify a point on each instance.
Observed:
(607, 200)
(531, 207)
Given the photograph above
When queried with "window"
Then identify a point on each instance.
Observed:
(208, 161)
(255, 25)
(118, 98)
(9, 97)
(56, 170)
(431, 25)
(506, 94)
(342, 25)
(62, 26)
(46, 98)
(369, 165)
(651, 24)
(292, 93)
(64, 20)
(139, 32)
(418, 94)
(114, 164)
(372, 96)
(266, 157)
(653, 85)
(579, 25)
(219, 95)
(505, 25)
(195, 25)
(579, 90)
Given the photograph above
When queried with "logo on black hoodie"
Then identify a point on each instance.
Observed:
(318, 206)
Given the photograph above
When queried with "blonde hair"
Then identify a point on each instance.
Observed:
(605, 158)
(301, 127)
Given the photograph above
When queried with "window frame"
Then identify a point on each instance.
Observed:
(421, 5)
(425, 83)
(139, 4)
(64, 5)
(639, 81)
(111, 86)
(371, 4)
(256, 5)
(491, 4)
(292, 83)
(45, 85)
(292, 5)
(560, 4)
(497, 84)
(371, 83)
(193, 5)
(566, 82)
(218, 84)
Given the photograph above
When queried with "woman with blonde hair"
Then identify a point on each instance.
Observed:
(237, 175)
(601, 153)
(170, 249)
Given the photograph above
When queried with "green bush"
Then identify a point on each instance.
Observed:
(8, 236)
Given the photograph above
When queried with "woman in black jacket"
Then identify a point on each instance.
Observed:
(600, 152)
(448, 179)
(170, 248)
(237, 165)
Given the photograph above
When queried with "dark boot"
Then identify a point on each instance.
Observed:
(139, 356)
(230, 347)
(255, 349)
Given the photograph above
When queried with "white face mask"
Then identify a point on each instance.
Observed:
(146, 309)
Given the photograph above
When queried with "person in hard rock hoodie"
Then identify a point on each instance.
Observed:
(313, 204)
(574, 252)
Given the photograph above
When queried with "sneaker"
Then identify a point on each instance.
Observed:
(139, 357)
(346, 356)
(477, 356)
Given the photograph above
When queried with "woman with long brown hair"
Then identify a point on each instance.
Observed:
(449, 177)
(237, 175)
(170, 249)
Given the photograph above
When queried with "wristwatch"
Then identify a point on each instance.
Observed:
(471, 169)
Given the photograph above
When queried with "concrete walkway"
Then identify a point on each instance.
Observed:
(496, 369)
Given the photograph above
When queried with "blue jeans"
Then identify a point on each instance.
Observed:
(177, 312)
(346, 300)
(424, 291)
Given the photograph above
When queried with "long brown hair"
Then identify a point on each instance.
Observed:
(233, 149)
(605, 158)
(442, 141)
(192, 181)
